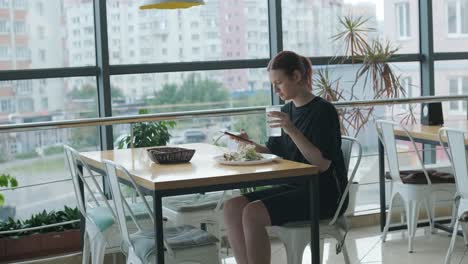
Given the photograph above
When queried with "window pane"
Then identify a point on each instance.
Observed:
(465, 85)
(218, 30)
(402, 19)
(46, 34)
(42, 100)
(464, 16)
(449, 27)
(184, 91)
(453, 87)
(309, 25)
(42, 151)
(450, 79)
(451, 17)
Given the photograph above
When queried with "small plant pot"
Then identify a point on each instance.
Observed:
(39, 245)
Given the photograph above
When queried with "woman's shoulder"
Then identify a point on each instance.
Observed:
(325, 106)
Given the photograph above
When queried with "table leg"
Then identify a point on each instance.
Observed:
(383, 205)
(158, 228)
(314, 219)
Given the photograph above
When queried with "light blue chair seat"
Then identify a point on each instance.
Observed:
(103, 218)
(180, 237)
(193, 202)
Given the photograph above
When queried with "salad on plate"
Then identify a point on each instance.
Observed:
(243, 153)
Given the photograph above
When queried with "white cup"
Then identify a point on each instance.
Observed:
(272, 131)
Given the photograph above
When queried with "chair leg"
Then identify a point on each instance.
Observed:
(345, 254)
(98, 250)
(430, 208)
(465, 233)
(293, 255)
(322, 244)
(86, 248)
(412, 211)
(452, 243)
(456, 201)
(389, 216)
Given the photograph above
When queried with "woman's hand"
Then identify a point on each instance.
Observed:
(242, 138)
(280, 119)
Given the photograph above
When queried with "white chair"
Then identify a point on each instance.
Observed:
(197, 210)
(419, 187)
(99, 219)
(182, 243)
(457, 156)
(102, 235)
(296, 236)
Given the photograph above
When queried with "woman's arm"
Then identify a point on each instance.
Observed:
(309, 150)
(259, 148)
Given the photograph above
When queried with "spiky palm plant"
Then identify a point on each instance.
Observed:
(375, 70)
(353, 36)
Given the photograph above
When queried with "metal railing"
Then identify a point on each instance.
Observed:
(105, 121)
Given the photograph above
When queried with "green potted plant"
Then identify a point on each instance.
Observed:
(40, 242)
(148, 134)
(7, 181)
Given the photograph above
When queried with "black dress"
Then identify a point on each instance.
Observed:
(318, 121)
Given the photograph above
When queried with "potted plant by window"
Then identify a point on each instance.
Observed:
(7, 211)
(148, 134)
(37, 242)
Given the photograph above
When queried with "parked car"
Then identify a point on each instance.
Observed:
(194, 135)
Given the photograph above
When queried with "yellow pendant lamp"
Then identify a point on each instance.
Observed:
(170, 4)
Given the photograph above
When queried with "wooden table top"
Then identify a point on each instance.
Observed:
(201, 171)
(431, 133)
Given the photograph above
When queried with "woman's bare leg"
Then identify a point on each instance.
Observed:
(233, 209)
(255, 218)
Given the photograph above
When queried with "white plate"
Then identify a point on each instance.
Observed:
(266, 159)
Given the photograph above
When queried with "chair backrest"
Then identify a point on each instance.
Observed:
(122, 206)
(457, 156)
(385, 131)
(72, 159)
(347, 144)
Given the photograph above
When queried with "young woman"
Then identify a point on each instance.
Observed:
(310, 134)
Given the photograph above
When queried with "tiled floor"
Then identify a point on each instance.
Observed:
(365, 246)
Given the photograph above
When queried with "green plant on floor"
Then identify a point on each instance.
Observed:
(148, 134)
(374, 70)
(41, 219)
(9, 182)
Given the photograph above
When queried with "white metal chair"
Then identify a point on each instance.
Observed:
(99, 219)
(199, 210)
(102, 235)
(296, 236)
(412, 194)
(182, 243)
(458, 158)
